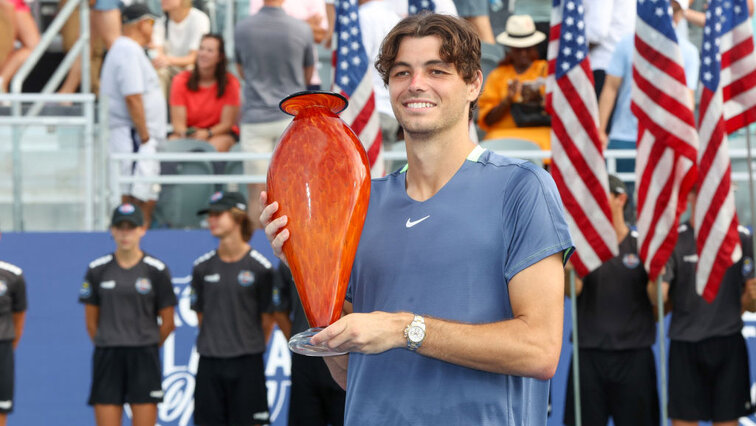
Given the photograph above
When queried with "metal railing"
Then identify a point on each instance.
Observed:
(20, 122)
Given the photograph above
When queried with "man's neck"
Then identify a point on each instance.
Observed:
(179, 14)
(432, 162)
(232, 248)
(135, 36)
(206, 76)
(128, 258)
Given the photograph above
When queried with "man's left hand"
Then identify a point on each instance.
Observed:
(371, 333)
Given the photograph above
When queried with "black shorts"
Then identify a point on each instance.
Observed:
(231, 391)
(6, 376)
(616, 384)
(315, 397)
(126, 375)
(709, 380)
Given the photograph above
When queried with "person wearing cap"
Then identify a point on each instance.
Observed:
(137, 109)
(231, 293)
(128, 307)
(616, 332)
(709, 375)
(614, 100)
(13, 306)
(518, 81)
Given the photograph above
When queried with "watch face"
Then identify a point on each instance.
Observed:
(416, 334)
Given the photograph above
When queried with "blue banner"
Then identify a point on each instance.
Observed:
(53, 360)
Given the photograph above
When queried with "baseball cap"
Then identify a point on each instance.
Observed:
(616, 186)
(222, 201)
(136, 12)
(127, 212)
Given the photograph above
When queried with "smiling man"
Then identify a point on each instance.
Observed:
(455, 304)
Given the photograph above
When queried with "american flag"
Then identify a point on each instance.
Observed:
(738, 62)
(728, 66)
(667, 139)
(352, 78)
(578, 165)
(418, 6)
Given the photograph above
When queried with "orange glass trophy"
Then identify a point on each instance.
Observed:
(319, 175)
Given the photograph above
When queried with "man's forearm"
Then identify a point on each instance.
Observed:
(136, 112)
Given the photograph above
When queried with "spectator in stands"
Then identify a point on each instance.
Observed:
(400, 7)
(136, 105)
(511, 105)
(205, 100)
(105, 21)
(606, 23)
(273, 67)
(376, 20)
(313, 12)
(231, 293)
(615, 95)
(315, 398)
(176, 39)
(12, 318)
(26, 32)
(7, 29)
(709, 377)
(616, 331)
(698, 18)
(540, 11)
(476, 13)
(128, 309)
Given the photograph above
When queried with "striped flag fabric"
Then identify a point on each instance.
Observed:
(415, 7)
(738, 62)
(353, 79)
(727, 61)
(667, 141)
(578, 165)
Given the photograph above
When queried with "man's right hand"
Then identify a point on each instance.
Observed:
(274, 228)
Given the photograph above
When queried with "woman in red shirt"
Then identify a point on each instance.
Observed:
(205, 101)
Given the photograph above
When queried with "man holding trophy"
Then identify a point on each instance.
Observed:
(453, 314)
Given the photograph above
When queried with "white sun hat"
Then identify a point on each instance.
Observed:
(520, 32)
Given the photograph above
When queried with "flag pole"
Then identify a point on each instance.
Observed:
(662, 351)
(750, 184)
(575, 363)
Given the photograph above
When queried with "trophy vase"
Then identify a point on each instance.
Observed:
(320, 177)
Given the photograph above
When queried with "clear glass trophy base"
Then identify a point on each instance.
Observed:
(300, 343)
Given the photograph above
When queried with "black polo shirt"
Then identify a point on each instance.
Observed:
(231, 298)
(129, 300)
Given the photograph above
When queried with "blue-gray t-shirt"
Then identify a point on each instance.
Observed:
(451, 257)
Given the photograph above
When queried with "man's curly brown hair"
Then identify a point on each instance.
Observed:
(460, 45)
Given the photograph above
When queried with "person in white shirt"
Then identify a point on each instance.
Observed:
(176, 39)
(376, 20)
(606, 22)
(137, 110)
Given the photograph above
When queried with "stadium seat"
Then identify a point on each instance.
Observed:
(178, 203)
(512, 144)
(235, 168)
(490, 56)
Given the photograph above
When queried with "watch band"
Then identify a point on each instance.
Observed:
(411, 332)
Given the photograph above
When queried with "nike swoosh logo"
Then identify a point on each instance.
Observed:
(411, 223)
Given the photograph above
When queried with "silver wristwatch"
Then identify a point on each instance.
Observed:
(415, 333)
